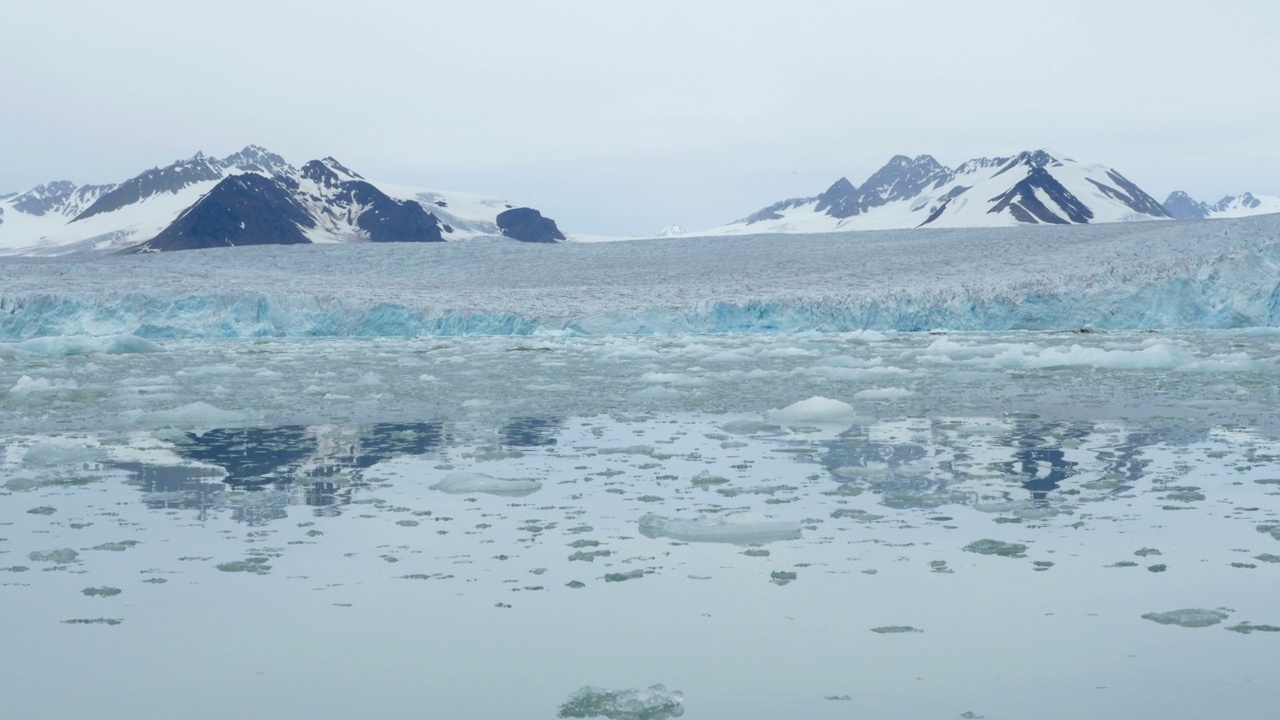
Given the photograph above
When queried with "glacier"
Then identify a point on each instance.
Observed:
(1139, 276)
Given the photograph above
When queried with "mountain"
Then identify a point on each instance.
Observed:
(1034, 187)
(250, 197)
(1184, 207)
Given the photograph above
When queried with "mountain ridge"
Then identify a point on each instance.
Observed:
(203, 201)
(1031, 187)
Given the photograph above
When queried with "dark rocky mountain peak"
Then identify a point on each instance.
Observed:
(1024, 204)
(838, 198)
(44, 198)
(243, 209)
(328, 173)
(1028, 159)
(171, 179)
(1182, 206)
(901, 178)
(338, 167)
(383, 218)
(528, 225)
(1246, 200)
(255, 158)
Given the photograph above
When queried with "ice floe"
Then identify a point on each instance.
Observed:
(739, 529)
(466, 483)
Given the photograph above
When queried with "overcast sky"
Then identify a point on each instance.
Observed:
(618, 117)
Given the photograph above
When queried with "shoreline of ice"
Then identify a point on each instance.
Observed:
(1221, 274)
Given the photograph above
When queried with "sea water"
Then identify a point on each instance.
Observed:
(782, 524)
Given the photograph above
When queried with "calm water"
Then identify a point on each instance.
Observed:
(807, 526)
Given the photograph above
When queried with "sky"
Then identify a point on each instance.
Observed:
(617, 117)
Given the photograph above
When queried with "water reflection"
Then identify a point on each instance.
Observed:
(928, 463)
(1039, 461)
(530, 432)
(256, 474)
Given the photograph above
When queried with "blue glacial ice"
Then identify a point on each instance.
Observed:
(1194, 275)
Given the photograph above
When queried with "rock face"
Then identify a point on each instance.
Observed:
(252, 196)
(169, 179)
(250, 209)
(241, 210)
(1184, 207)
(1034, 187)
(528, 225)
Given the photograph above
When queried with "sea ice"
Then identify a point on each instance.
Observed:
(1190, 617)
(87, 345)
(996, 547)
(196, 414)
(739, 529)
(466, 483)
(655, 702)
(816, 410)
(49, 453)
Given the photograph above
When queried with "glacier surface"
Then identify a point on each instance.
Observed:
(1193, 275)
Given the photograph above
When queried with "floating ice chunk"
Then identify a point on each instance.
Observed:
(1245, 628)
(1158, 356)
(87, 345)
(658, 392)
(890, 393)
(58, 453)
(209, 371)
(673, 379)
(996, 547)
(748, 427)
(739, 529)
(466, 483)
(655, 702)
(61, 556)
(1190, 617)
(788, 352)
(196, 414)
(816, 410)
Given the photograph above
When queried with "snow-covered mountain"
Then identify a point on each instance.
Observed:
(251, 197)
(1034, 187)
(1184, 207)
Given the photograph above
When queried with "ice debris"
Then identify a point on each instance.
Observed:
(87, 345)
(996, 547)
(655, 702)
(816, 410)
(739, 529)
(1190, 617)
(1245, 628)
(61, 556)
(466, 483)
(196, 414)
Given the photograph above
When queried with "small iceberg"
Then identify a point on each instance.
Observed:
(467, 483)
(655, 702)
(816, 410)
(1190, 617)
(739, 529)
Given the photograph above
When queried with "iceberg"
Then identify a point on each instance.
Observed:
(814, 411)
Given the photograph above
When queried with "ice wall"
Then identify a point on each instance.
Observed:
(1212, 274)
